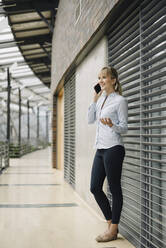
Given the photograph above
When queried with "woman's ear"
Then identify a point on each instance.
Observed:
(113, 81)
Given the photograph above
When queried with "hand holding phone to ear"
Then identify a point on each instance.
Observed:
(98, 92)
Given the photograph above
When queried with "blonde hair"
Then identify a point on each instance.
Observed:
(113, 74)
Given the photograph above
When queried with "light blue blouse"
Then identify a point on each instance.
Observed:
(115, 108)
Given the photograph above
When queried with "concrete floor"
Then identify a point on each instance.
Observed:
(39, 210)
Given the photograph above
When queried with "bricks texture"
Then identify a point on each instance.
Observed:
(71, 35)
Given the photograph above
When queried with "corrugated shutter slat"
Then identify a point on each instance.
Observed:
(69, 131)
(137, 49)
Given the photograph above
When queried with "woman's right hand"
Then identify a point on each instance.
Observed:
(96, 96)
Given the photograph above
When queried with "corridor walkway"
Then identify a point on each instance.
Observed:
(39, 210)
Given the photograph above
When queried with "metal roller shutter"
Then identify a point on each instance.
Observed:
(69, 131)
(137, 49)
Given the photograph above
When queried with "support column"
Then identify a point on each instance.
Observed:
(37, 123)
(28, 118)
(47, 138)
(8, 105)
(19, 123)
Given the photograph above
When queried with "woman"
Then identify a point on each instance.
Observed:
(109, 109)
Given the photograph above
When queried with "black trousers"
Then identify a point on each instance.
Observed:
(108, 163)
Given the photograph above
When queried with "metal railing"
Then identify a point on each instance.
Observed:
(17, 150)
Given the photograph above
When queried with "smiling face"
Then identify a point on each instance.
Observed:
(106, 82)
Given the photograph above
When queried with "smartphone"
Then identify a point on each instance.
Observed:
(97, 88)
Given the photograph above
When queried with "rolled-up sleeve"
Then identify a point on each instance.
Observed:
(92, 113)
(122, 111)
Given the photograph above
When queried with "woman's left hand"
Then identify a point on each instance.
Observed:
(106, 121)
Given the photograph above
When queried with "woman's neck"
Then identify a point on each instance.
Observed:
(109, 91)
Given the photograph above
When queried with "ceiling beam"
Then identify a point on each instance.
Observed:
(45, 50)
(4, 66)
(35, 39)
(44, 74)
(39, 8)
(38, 86)
(35, 61)
(47, 84)
(50, 26)
(36, 48)
(23, 77)
(32, 54)
(7, 45)
(44, 92)
(10, 56)
(30, 29)
(9, 42)
(31, 5)
(9, 52)
(28, 21)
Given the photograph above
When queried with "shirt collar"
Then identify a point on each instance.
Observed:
(110, 95)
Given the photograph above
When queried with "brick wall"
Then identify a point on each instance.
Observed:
(71, 36)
